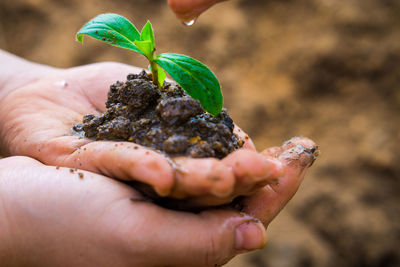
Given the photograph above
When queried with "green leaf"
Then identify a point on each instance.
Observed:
(147, 34)
(161, 76)
(195, 78)
(112, 29)
(145, 47)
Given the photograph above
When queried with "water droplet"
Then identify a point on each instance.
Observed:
(62, 84)
(189, 22)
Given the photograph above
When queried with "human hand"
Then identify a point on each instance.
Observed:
(52, 216)
(36, 120)
(296, 156)
(187, 10)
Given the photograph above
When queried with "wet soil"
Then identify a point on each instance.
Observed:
(167, 120)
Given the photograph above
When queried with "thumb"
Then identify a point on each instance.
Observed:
(187, 10)
(210, 238)
(296, 156)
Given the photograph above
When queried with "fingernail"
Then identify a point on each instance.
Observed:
(273, 169)
(250, 235)
(300, 155)
(276, 169)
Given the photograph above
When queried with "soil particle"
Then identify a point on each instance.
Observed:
(176, 144)
(178, 110)
(80, 174)
(119, 128)
(167, 120)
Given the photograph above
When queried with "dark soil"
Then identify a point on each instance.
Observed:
(167, 120)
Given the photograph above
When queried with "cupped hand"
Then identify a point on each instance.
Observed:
(51, 216)
(36, 120)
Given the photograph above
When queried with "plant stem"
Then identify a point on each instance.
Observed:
(154, 73)
(154, 70)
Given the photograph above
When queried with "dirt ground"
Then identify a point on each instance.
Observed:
(326, 69)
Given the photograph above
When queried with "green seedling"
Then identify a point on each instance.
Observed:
(193, 76)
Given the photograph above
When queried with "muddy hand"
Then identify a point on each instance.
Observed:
(210, 182)
(187, 10)
(268, 180)
(63, 217)
(296, 156)
(36, 119)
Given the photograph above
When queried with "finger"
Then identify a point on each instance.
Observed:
(272, 152)
(196, 177)
(211, 182)
(123, 160)
(252, 170)
(209, 238)
(296, 155)
(189, 10)
(205, 183)
(248, 143)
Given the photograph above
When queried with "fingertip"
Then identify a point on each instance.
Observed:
(126, 161)
(298, 140)
(250, 236)
(271, 152)
(296, 155)
(300, 152)
(151, 167)
(161, 175)
(249, 232)
(224, 180)
(189, 10)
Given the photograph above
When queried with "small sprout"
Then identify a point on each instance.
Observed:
(193, 76)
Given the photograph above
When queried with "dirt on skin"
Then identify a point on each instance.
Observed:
(167, 120)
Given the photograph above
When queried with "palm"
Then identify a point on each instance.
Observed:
(43, 112)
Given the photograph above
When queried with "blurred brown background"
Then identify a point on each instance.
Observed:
(326, 69)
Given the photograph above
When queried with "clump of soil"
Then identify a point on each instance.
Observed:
(167, 120)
